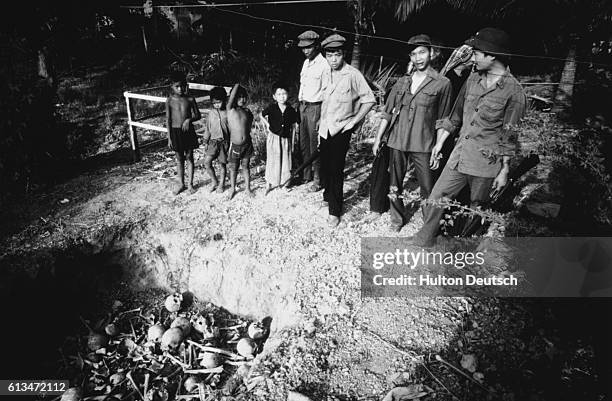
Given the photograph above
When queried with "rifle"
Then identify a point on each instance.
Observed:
(501, 200)
(302, 167)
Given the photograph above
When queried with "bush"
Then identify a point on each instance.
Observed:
(31, 146)
(579, 163)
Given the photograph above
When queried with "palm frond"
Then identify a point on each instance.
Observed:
(406, 8)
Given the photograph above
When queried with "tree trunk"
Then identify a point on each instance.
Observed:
(358, 16)
(565, 90)
(356, 58)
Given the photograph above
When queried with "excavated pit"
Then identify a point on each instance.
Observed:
(46, 293)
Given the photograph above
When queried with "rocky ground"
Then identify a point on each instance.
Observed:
(114, 231)
(275, 256)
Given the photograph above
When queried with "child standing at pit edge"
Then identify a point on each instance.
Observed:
(239, 120)
(216, 138)
(280, 120)
(181, 111)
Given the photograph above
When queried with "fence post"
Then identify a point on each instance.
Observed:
(133, 137)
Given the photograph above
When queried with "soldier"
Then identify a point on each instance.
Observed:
(417, 100)
(488, 106)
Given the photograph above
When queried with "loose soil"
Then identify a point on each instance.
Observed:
(335, 345)
(279, 258)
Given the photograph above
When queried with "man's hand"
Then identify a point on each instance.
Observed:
(436, 156)
(410, 68)
(349, 126)
(500, 181)
(376, 146)
(186, 124)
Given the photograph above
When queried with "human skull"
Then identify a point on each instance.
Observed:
(155, 332)
(95, 341)
(173, 302)
(111, 329)
(172, 339)
(246, 347)
(183, 323)
(210, 360)
(191, 383)
(206, 326)
(257, 330)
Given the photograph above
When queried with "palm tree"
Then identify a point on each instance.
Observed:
(363, 12)
(363, 16)
(576, 17)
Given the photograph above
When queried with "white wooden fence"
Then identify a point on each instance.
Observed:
(132, 124)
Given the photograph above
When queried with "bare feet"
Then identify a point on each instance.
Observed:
(250, 193)
(315, 187)
(180, 188)
(220, 189)
(231, 194)
(333, 221)
(214, 185)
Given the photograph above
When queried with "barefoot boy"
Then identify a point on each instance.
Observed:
(181, 111)
(239, 120)
(216, 138)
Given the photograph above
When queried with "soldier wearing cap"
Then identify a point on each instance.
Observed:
(310, 97)
(414, 104)
(487, 109)
(347, 98)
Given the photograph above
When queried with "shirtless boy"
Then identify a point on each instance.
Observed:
(181, 111)
(216, 138)
(239, 120)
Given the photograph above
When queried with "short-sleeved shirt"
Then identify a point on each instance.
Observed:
(311, 79)
(344, 91)
(486, 119)
(280, 122)
(216, 124)
(415, 127)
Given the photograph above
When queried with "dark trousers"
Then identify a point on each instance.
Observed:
(379, 182)
(333, 156)
(310, 114)
(450, 183)
(398, 165)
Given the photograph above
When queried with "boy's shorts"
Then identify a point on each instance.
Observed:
(239, 152)
(183, 141)
(217, 148)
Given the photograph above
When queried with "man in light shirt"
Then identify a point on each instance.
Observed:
(347, 98)
(310, 97)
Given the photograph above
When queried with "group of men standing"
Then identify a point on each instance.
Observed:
(346, 98)
(423, 109)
